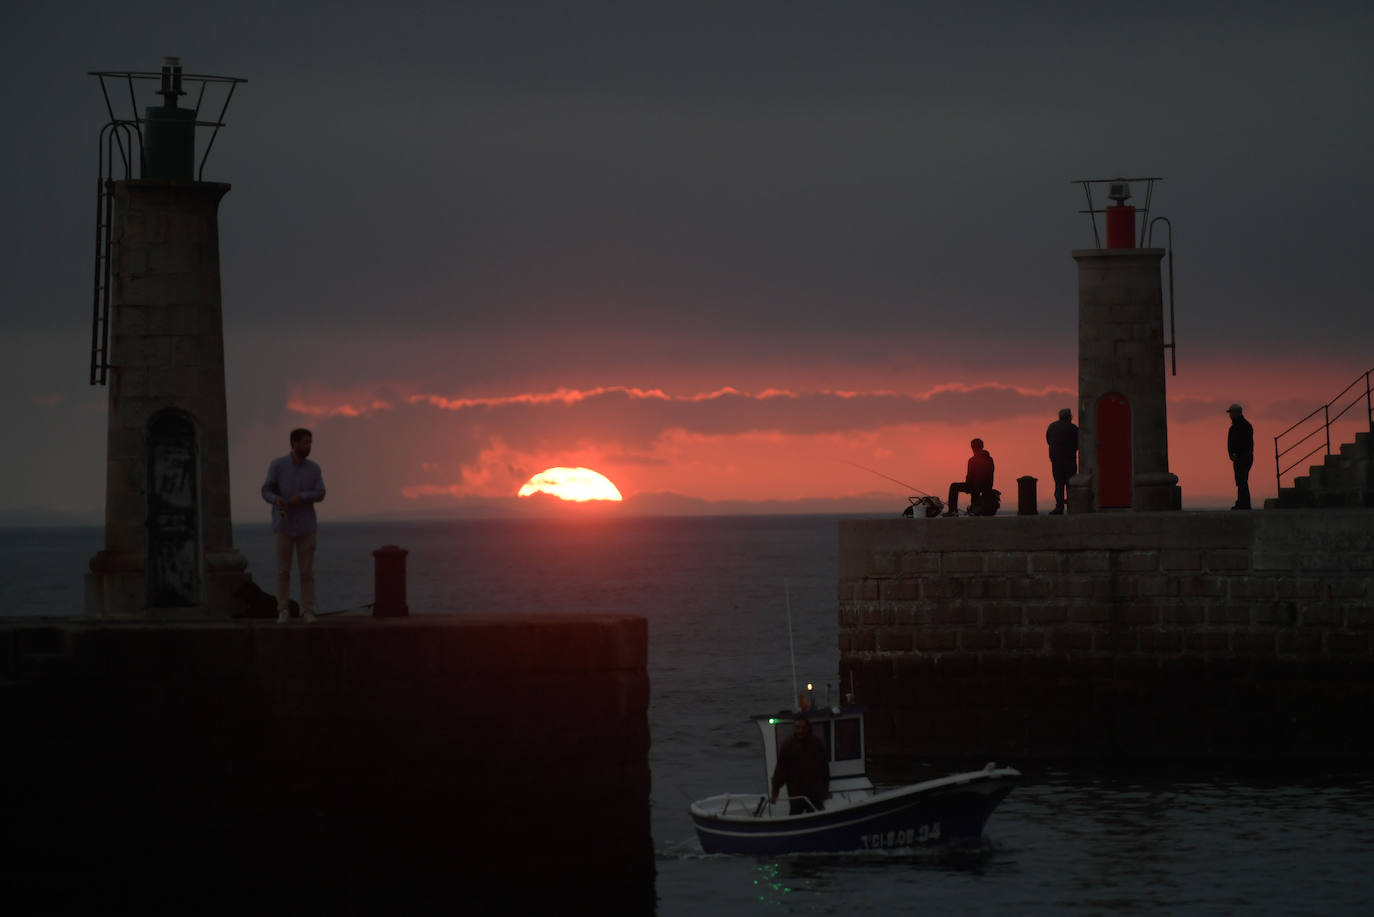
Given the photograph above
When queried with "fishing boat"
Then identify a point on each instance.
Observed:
(856, 815)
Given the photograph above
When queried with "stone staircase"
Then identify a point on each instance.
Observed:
(1345, 478)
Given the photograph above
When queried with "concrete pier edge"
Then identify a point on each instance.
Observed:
(461, 754)
(1113, 636)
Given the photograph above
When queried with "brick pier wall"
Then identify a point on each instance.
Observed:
(392, 765)
(1171, 635)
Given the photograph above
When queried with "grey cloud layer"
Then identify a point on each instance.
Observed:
(743, 168)
(618, 416)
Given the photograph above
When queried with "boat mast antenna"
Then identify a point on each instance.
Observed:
(791, 650)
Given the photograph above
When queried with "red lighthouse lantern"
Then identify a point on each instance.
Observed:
(1120, 217)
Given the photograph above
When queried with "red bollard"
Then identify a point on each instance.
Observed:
(389, 582)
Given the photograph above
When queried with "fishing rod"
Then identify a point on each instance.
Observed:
(881, 475)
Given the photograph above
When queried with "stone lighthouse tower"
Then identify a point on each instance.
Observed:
(158, 342)
(1123, 444)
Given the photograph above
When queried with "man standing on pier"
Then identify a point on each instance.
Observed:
(1240, 445)
(294, 485)
(1062, 437)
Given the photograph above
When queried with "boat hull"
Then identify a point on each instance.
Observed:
(951, 808)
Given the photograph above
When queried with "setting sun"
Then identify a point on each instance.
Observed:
(576, 484)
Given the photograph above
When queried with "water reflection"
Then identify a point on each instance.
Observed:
(1159, 841)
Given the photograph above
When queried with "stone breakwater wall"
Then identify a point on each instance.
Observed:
(1170, 635)
(358, 761)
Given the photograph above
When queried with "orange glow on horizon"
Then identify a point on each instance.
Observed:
(578, 485)
(720, 439)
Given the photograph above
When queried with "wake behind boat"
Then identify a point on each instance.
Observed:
(856, 815)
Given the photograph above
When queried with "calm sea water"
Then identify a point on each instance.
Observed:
(718, 593)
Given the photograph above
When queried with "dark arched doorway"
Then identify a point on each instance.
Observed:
(173, 511)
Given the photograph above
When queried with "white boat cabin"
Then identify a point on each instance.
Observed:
(842, 731)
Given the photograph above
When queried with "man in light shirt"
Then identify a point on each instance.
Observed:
(294, 485)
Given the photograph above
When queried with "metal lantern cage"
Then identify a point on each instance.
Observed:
(161, 139)
(1120, 219)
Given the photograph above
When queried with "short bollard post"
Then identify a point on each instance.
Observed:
(1025, 496)
(389, 582)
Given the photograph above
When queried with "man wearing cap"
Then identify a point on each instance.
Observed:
(1240, 445)
(1062, 437)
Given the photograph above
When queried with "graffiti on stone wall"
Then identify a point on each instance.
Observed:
(173, 512)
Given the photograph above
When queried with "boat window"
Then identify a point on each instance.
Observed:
(820, 730)
(848, 743)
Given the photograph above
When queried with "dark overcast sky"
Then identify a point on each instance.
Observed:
(477, 198)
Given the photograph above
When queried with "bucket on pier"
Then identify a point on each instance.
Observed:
(1025, 496)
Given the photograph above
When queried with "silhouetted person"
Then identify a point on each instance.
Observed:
(1062, 437)
(1240, 445)
(977, 481)
(294, 485)
(804, 765)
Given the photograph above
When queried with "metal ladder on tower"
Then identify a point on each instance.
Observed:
(123, 138)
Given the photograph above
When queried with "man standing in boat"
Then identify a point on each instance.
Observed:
(804, 765)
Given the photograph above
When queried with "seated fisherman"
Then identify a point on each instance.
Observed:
(977, 482)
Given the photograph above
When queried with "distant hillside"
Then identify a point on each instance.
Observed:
(34, 517)
(651, 504)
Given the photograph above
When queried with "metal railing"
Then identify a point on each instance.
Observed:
(758, 805)
(1318, 424)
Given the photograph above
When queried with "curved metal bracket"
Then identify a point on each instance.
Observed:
(1172, 346)
(120, 137)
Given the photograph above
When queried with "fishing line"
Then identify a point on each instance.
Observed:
(881, 475)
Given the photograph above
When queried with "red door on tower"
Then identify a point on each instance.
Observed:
(1113, 451)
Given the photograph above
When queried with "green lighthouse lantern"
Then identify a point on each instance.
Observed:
(169, 132)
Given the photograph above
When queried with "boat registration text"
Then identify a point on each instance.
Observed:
(919, 835)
